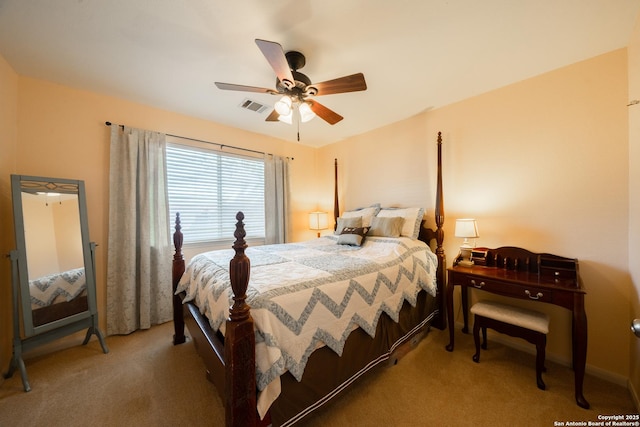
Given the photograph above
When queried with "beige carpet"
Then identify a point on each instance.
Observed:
(146, 381)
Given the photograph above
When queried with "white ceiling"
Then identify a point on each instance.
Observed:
(415, 54)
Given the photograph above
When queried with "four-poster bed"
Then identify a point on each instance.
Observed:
(327, 367)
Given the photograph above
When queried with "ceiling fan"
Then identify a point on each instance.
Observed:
(296, 89)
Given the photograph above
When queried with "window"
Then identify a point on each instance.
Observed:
(208, 188)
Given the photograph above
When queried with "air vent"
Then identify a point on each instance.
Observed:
(248, 104)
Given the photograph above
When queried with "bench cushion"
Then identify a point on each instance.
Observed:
(524, 318)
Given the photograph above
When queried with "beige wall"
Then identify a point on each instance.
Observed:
(61, 133)
(8, 141)
(541, 164)
(634, 202)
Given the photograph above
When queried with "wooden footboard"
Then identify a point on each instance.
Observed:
(230, 361)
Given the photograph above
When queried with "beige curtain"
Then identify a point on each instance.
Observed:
(276, 199)
(139, 251)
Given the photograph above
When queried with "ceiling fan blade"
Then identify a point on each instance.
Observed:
(275, 55)
(324, 113)
(230, 86)
(352, 83)
(273, 117)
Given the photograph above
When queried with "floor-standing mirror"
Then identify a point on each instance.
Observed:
(53, 266)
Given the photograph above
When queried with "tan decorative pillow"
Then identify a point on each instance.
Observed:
(386, 226)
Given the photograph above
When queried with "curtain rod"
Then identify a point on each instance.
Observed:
(209, 142)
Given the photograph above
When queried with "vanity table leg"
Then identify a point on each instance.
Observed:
(464, 295)
(579, 326)
(449, 303)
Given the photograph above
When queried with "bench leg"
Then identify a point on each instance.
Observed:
(484, 338)
(540, 355)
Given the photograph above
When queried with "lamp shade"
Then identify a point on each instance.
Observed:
(318, 220)
(466, 228)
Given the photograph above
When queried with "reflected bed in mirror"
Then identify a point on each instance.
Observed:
(53, 265)
(53, 242)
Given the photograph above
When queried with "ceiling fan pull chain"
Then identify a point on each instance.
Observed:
(298, 123)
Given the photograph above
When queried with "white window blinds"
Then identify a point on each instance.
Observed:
(208, 188)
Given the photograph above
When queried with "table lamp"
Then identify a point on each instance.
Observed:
(466, 228)
(318, 221)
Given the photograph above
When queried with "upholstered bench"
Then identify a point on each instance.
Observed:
(530, 325)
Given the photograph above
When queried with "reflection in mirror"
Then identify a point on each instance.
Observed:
(55, 266)
(53, 275)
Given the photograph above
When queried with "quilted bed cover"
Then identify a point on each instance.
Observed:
(310, 294)
(57, 287)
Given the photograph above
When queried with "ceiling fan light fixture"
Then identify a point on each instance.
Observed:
(286, 118)
(283, 106)
(306, 113)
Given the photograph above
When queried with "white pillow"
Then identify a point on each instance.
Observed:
(412, 219)
(365, 213)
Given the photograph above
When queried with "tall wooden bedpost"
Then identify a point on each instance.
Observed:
(440, 322)
(177, 271)
(239, 347)
(336, 207)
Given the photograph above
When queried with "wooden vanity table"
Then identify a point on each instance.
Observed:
(517, 273)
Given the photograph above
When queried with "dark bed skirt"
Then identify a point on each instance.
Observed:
(53, 312)
(327, 374)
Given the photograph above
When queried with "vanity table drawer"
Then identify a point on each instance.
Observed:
(509, 289)
(529, 292)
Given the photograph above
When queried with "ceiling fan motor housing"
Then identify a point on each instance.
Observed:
(302, 86)
(295, 59)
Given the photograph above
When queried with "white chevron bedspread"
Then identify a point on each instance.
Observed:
(310, 294)
(57, 287)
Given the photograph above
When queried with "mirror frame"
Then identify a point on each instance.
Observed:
(19, 183)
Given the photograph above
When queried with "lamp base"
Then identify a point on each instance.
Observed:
(465, 256)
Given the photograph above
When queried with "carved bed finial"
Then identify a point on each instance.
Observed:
(240, 245)
(177, 238)
(239, 268)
